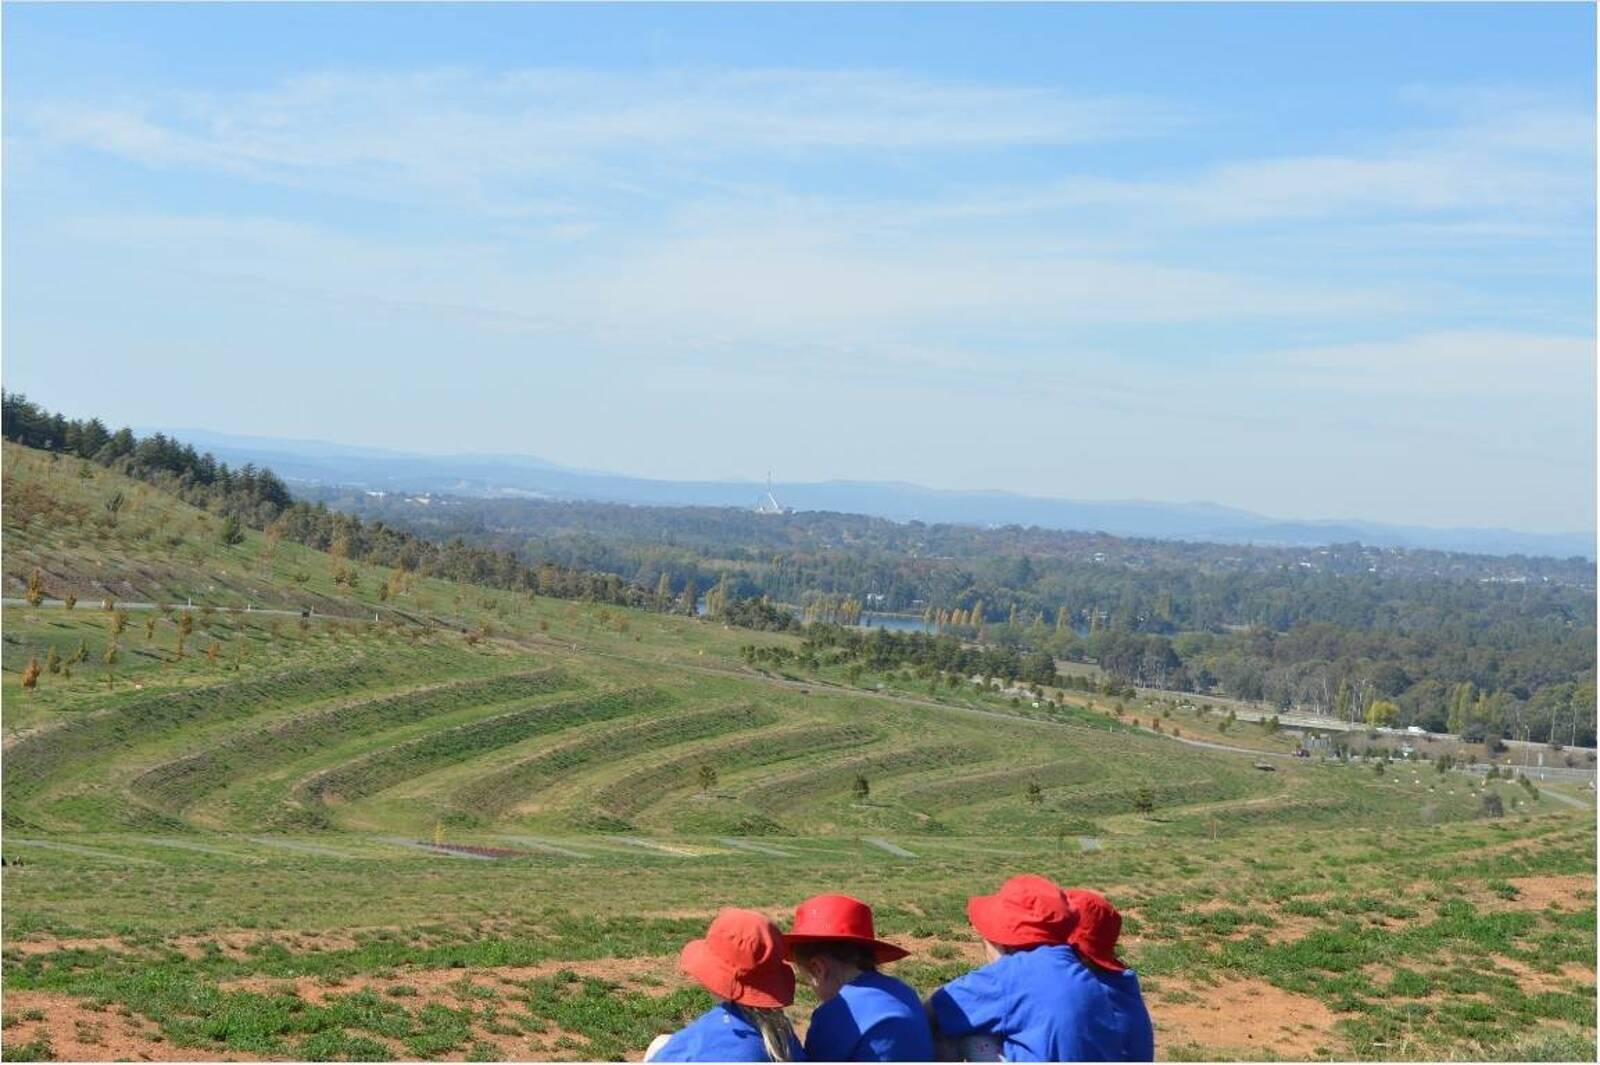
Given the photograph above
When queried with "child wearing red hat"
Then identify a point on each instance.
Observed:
(1036, 994)
(864, 1015)
(741, 962)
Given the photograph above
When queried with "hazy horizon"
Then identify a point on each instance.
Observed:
(1315, 263)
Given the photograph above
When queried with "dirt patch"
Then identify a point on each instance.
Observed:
(1241, 1018)
(231, 944)
(77, 1033)
(654, 975)
(1540, 892)
(1536, 981)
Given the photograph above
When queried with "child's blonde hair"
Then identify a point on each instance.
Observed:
(777, 1034)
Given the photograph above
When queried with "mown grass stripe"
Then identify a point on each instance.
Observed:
(949, 793)
(633, 793)
(177, 784)
(36, 760)
(493, 794)
(838, 777)
(385, 768)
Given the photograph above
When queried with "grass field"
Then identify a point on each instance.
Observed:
(471, 824)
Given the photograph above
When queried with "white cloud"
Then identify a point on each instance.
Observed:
(1489, 363)
(1512, 163)
(466, 132)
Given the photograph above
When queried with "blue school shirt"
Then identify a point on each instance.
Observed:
(1049, 1006)
(872, 1018)
(719, 1034)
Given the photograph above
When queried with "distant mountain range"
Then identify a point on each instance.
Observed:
(321, 463)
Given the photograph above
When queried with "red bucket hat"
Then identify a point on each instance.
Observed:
(741, 960)
(1027, 911)
(1094, 936)
(838, 918)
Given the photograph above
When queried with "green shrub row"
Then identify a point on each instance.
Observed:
(837, 777)
(628, 796)
(178, 783)
(948, 794)
(494, 793)
(33, 761)
(385, 768)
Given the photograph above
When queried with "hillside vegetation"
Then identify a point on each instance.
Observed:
(431, 818)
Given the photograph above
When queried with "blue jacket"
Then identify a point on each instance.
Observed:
(1049, 1006)
(719, 1034)
(872, 1018)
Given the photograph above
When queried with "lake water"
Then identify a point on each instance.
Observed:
(895, 622)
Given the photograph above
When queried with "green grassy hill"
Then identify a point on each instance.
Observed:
(248, 798)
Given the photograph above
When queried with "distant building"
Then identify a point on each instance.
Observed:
(768, 503)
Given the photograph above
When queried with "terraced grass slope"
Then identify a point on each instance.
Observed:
(446, 779)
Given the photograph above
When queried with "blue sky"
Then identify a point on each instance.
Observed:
(1318, 261)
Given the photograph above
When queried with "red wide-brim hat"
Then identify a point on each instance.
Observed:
(741, 960)
(1098, 926)
(839, 919)
(1027, 911)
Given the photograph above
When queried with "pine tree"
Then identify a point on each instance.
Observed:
(52, 661)
(35, 594)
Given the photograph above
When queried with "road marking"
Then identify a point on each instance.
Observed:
(883, 844)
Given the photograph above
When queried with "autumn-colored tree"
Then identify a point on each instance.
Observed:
(119, 622)
(1382, 713)
(69, 600)
(30, 674)
(110, 659)
(52, 661)
(35, 593)
(150, 627)
(213, 650)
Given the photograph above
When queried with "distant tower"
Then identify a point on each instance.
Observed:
(768, 504)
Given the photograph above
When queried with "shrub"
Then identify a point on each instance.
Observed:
(1492, 806)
